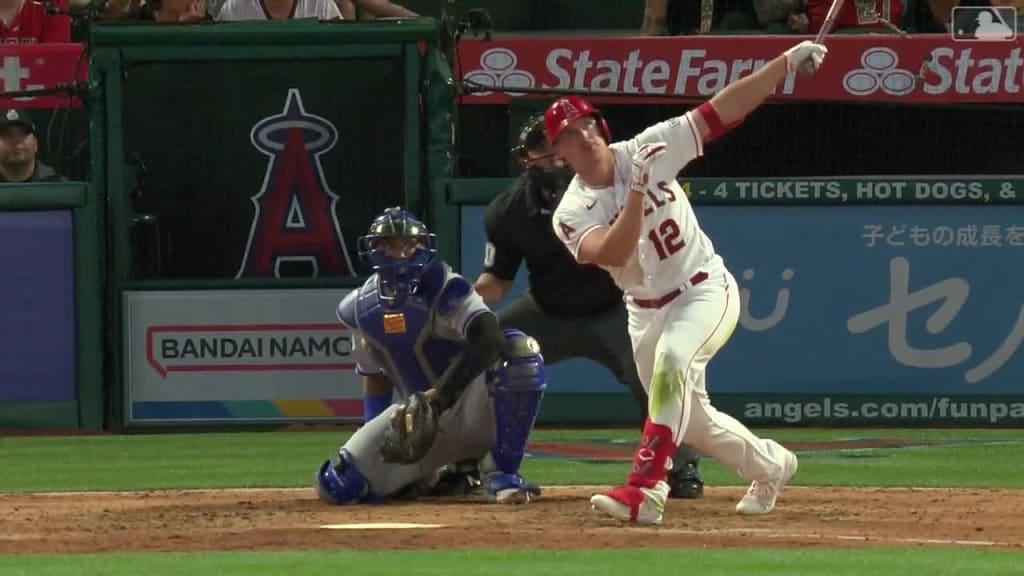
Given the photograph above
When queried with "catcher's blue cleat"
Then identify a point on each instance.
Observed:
(509, 488)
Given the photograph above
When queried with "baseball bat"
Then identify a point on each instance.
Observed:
(826, 27)
(830, 20)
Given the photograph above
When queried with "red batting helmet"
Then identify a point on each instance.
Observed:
(567, 109)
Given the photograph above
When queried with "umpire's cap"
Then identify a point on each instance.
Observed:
(531, 135)
(15, 117)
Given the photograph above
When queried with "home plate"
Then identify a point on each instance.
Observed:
(380, 526)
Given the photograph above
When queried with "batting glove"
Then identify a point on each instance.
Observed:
(643, 161)
(806, 54)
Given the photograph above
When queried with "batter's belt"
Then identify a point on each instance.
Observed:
(659, 302)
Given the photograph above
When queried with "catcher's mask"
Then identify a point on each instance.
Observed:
(398, 247)
(549, 174)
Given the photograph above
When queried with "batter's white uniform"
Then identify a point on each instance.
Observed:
(683, 303)
(236, 10)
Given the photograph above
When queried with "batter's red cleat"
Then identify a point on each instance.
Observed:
(632, 504)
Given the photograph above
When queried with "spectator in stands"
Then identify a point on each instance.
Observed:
(655, 18)
(370, 9)
(866, 14)
(234, 10)
(27, 22)
(170, 11)
(776, 16)
(18, 149)
(675, 17)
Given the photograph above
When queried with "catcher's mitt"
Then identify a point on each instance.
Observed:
(413, 428)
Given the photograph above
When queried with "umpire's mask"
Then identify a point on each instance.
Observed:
(548, 174)
(552, 182)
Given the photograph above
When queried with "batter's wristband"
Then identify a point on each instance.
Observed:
(716, 129)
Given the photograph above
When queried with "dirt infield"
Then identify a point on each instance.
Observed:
(292, 519)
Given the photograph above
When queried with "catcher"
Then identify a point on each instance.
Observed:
(470, 390)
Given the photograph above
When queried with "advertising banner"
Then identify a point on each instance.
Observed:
(37, 66)
(928, 68)
(866, 190)
(238, 356)
(856, 314)
(37, 306)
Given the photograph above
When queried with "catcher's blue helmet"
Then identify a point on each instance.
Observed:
(398, 247)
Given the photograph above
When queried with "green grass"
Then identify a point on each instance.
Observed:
(746, 562)
(970, 458)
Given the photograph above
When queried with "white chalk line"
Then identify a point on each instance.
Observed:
(382, 526)
(773, 533)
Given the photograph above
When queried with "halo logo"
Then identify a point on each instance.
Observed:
(295, 220)
(498, 70)
(879, 73)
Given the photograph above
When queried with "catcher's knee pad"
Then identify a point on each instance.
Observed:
(338, 481)
(516, 385)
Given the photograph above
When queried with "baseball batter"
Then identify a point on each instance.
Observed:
(471, 390)
(624, 211)
(572, 310)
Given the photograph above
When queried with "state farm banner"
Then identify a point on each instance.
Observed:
(929, 68)
(236, 356)
(38, 66)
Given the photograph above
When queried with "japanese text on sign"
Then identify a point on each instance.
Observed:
(969, 236)
(951, 294)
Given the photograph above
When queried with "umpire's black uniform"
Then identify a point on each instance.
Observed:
(572, 310)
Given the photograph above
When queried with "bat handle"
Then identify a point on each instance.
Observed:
(805, 67)
(826, 28)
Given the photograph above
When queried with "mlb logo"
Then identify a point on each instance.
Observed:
(984, 24)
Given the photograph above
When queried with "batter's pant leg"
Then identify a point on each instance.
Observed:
(616, 353)
(673, 346)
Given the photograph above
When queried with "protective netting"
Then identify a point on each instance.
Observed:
(800, 139)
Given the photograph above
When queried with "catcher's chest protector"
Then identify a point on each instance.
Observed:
(407, 342)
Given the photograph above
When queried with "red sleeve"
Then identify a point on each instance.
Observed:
(56, 28)
(716, 129)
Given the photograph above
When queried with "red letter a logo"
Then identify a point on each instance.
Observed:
(295, 219)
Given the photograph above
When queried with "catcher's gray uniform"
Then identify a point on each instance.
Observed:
(412, 345)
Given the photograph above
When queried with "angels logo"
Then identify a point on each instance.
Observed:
(295, 217)
(568, 109)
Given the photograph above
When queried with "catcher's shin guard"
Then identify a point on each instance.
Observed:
(516, 386)
(338, 481)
